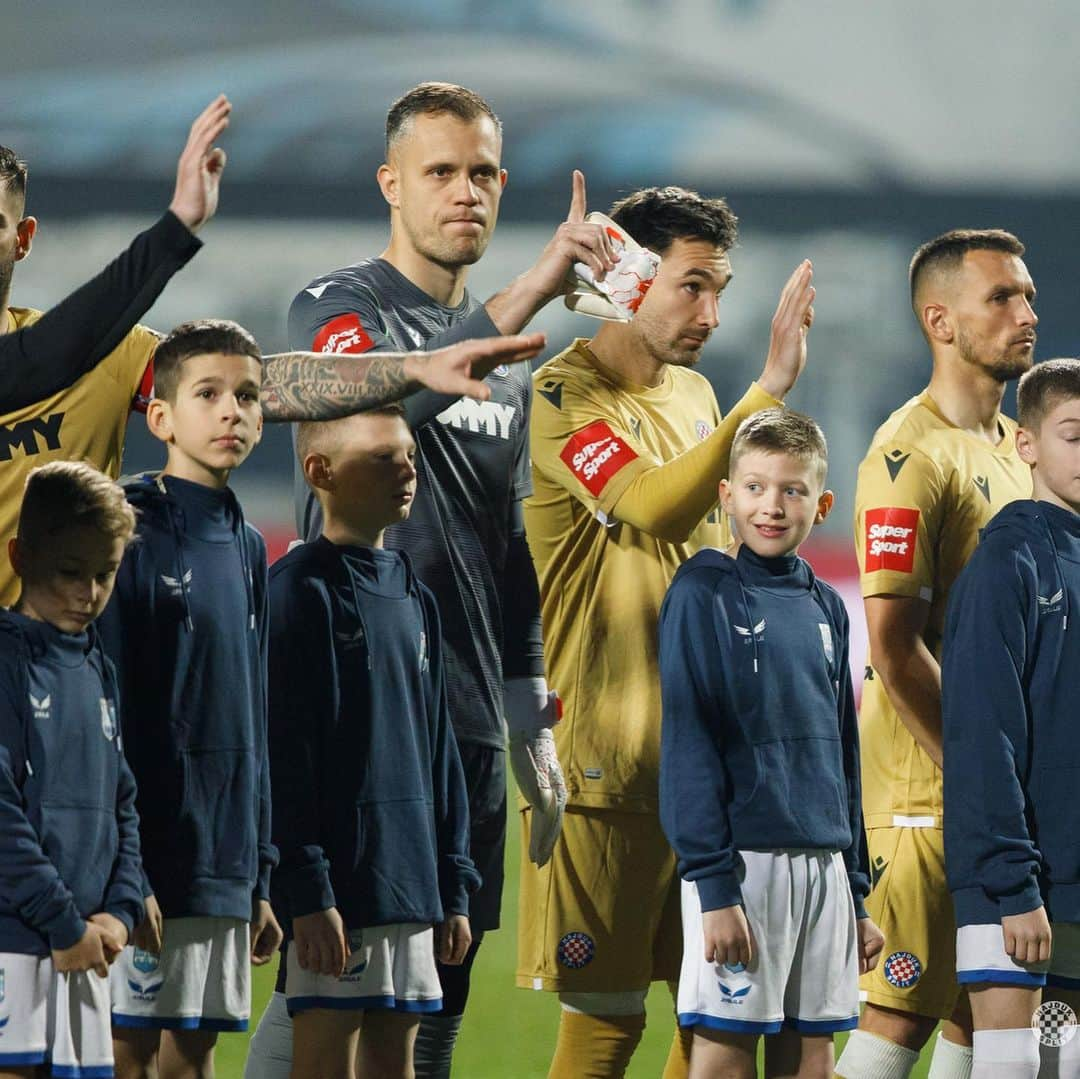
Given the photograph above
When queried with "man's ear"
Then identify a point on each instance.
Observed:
(24, 232)
(824, 506)
(1027, 446)
(159, 419)
(387, 179)
(318, 471)
(939, 328)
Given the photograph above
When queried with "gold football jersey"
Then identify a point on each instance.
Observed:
(925, 489)
(602, 581)
(85, 422)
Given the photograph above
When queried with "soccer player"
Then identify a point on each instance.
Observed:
(70, 376)
(70, 888)
(936, 472)
(759, 773)
(628, 450)
(1008, 688)
(187, 629)
(370, 808)
(442, 181)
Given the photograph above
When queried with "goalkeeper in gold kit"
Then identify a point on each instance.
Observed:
(628, 449)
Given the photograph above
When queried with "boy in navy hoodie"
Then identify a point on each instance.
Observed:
(1012, 751)
(187, 629)
(370, 808)
(70, 887)
(759, 773)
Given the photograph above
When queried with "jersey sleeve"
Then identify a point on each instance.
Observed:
(80, 331)
(579, 442)
(900, 502)
(328, 317)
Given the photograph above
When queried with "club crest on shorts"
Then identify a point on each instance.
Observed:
(3, 986)
(144, 962)
(703, 430)
(576, 950)
(902, 969)
(356, 944)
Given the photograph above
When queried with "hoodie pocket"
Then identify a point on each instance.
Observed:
(806, 785)
(219, 814)
(81, 841)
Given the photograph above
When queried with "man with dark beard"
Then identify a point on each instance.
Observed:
(937, 470)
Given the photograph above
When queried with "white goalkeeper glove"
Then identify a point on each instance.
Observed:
(622, 289)
(531, 711)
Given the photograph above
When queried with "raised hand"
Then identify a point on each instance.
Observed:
(198, 172)
(575, 240)
(787, 338)
(458, 369)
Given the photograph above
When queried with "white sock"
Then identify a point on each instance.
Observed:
(866, 1056)
(950, 1061)
(1005, 1054)
(270, 1049)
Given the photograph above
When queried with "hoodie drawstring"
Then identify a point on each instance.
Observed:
(178, 545)
(749, 619)
(359, 611)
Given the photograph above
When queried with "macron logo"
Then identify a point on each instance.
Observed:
(41, 707)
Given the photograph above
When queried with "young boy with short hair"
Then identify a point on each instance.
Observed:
(70, 884)
(1011, 751)
(187, 629)
(759, 773)
(370, 808)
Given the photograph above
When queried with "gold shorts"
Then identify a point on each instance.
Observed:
(911, 904)
(603, 914)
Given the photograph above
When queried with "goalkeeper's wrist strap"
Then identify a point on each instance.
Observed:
(529, 706)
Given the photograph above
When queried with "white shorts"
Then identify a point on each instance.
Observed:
(389, 966)
(46, 1016)
(981, 957)
(805, 970)
(201, 980)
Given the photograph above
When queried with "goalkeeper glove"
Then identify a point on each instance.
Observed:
(531, 712)
(622, 289)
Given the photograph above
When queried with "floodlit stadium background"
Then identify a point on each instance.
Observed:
(847, 132)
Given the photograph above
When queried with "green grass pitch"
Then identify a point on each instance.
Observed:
(508, 1033)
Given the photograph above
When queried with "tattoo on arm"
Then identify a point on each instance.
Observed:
(317, 386)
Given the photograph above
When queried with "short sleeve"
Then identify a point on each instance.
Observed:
(899, 507)
(332, 317)
(578, 442)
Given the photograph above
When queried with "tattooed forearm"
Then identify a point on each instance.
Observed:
(314, 386)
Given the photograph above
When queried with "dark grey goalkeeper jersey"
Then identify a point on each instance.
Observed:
(464, 536)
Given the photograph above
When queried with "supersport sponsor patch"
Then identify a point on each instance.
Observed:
(342, 334)
(594, 454)
(890, 539)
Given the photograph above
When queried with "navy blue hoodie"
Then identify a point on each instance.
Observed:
(1010, 663)
(370, 808)
(187, 629)
(759, 744)
(69, 833)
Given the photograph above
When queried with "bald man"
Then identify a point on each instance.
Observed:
(937, 470)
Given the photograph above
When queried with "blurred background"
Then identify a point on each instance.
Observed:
(848, 132)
